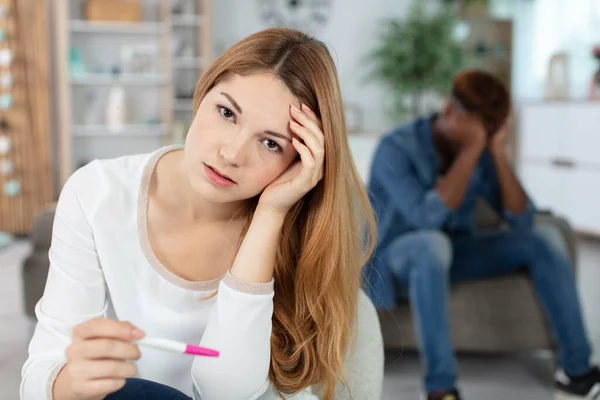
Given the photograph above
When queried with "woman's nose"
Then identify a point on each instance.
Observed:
(233, 152)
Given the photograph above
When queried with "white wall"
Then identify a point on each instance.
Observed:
(350, 33)
(543, 27)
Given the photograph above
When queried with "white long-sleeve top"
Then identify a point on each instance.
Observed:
(102, 265)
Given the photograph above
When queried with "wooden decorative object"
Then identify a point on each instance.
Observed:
(557, 81)
(28, 118)
(113, 10)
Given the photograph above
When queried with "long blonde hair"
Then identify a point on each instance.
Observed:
(327, 236)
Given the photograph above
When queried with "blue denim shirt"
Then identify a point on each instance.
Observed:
(404, 174)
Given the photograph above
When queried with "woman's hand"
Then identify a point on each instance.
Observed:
(98, 359)
(304, 174)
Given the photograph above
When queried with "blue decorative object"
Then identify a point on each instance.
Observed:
(6, 101)
(12, 188)
(2, 34)
(481, 48)
(76, 64)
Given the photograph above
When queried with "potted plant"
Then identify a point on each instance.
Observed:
(416, 55)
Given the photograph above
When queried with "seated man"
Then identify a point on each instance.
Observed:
(425, 178)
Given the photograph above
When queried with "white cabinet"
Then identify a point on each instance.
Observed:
(539, 181)
(559, 160)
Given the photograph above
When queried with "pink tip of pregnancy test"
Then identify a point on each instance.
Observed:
(200, 351)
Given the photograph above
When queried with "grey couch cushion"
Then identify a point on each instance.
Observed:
(496, 315)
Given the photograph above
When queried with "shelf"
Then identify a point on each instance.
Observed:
(130, 80)
(186, 20)
(188, 62)
(183, 105)
(88, 131)
(129, 28)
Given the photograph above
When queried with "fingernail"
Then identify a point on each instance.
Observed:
(295, 108)
(136, 333)
(305, 106)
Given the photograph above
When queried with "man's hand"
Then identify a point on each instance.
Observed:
(497, 143)
(468, 132)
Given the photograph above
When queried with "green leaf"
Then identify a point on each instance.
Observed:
(417, 53)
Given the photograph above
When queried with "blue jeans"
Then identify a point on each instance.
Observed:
(426, 262)
(141, 389)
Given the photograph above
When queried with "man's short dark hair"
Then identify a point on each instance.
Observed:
(484, 95)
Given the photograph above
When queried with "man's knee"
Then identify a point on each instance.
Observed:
(553, 236)
(545, 246)
(431, 244)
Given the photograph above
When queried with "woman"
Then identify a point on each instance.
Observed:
(248, 240)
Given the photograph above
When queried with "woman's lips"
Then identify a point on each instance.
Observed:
(217, 178)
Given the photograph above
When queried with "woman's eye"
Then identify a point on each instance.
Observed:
(272, 145)
(226, 113)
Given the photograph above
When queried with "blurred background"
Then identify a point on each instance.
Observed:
(87, 79)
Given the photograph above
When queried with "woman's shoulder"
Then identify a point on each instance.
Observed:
(107, 180)
(100, 172)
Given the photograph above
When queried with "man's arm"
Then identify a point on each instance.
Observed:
(502, 188)
(514, 199)
(423, 207)
(453, 186)
(468, 133)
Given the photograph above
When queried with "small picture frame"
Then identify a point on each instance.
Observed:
(354, 118)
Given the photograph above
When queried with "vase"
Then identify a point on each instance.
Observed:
(594, 91)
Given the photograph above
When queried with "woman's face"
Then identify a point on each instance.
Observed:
(240, 139)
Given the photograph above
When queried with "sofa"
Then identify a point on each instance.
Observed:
(493, 315)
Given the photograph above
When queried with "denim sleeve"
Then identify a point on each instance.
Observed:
(393, 173)
(522, 220)
(490, 189)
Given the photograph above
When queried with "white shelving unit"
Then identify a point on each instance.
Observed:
(159, 103)
(117, 28)
(189, 63)
(192, 53)
(82, 95)
(183, 105)
(150, 130)
(123, 80)
(188, 20)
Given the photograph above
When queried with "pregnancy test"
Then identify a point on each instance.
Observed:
(177, 347)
